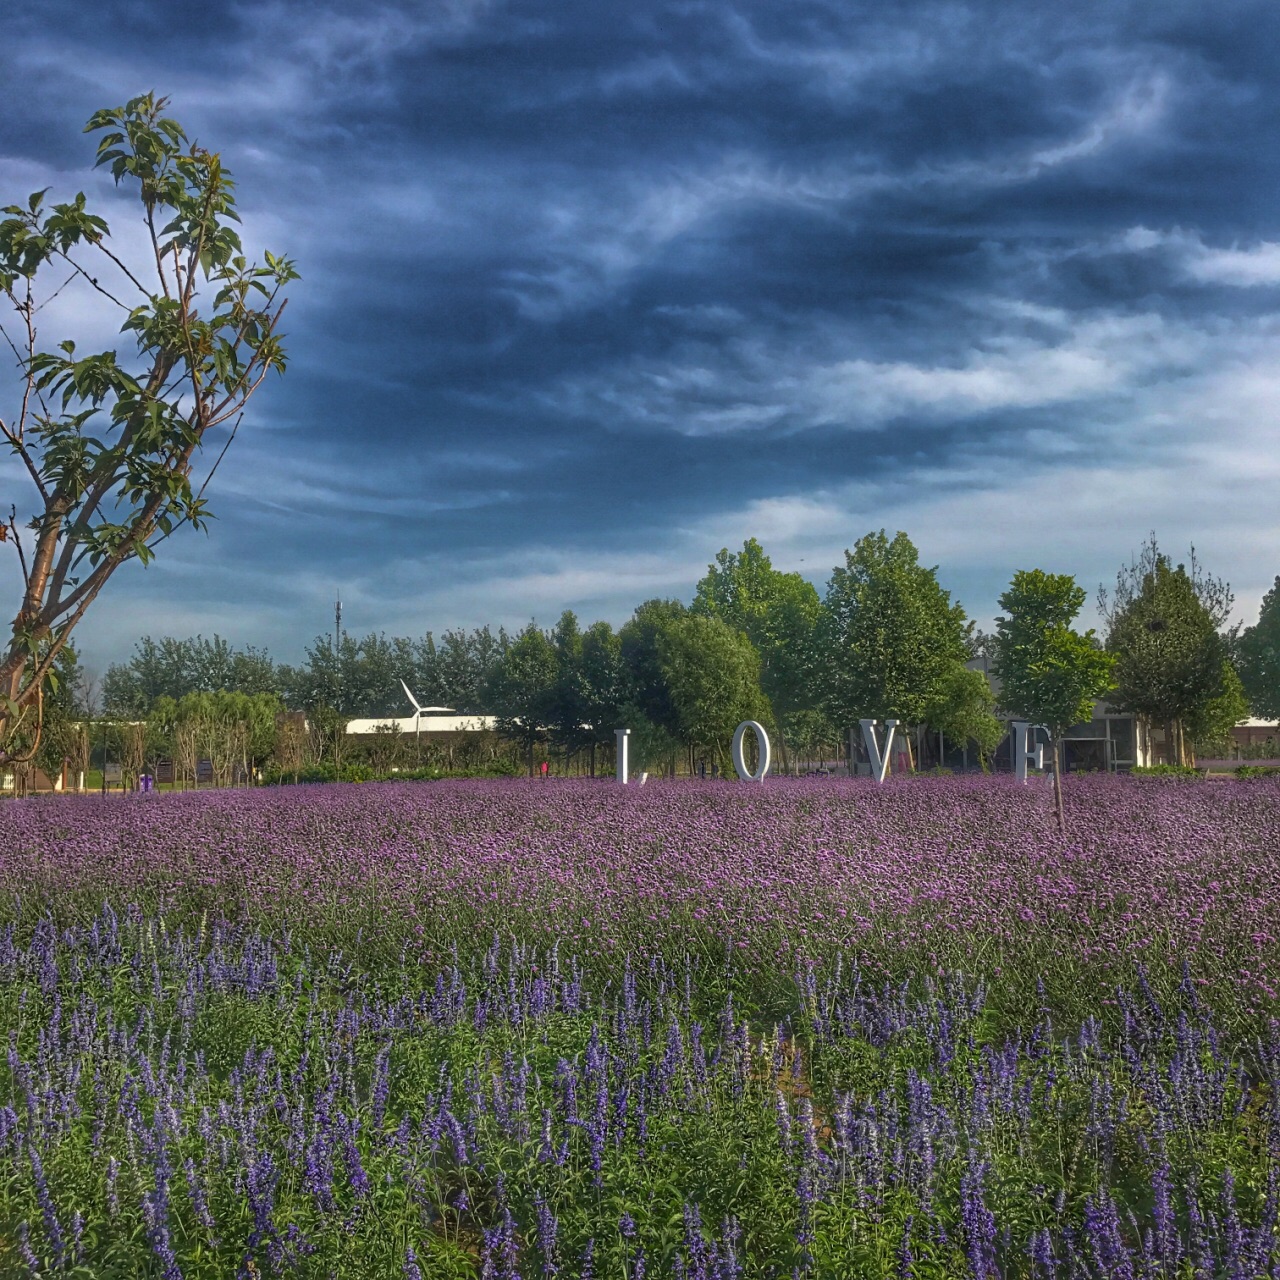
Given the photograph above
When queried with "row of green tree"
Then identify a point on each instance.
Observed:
(231, 732)
(360, 677)
(886, 640)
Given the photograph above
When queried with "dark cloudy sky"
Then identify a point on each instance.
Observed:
(592, 290)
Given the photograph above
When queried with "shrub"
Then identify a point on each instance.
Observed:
(367, 773)
(1167, 771)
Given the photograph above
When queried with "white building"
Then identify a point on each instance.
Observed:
(1110, 741)
(432, 720)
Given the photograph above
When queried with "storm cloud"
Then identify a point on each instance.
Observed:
(591, 291)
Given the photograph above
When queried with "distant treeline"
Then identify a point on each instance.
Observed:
(754, 643)
(360, 679)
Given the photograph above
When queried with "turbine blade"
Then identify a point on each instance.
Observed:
(411, 698)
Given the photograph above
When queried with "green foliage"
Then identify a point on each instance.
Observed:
(1165, 631)
(235, 732)
(109, 439)
(1167, 771)
(172, 668)
(603, 679)
(778, 612)
(889, 636)
(359, 771)
(887, 640)
(363, 677)
(61, 720)
(1259, 656)
(811, 735)
(674, 678)
(522, 687)
(965, 712)
(583, 704)
(570, 712)
(651, 746)
(1048, 673)
(641, 638)
(1247, 771)
(1209, 725)
(713, 674)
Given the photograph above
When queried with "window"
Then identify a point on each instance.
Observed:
(1122, 736)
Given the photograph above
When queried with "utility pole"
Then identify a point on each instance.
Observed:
(337, 673)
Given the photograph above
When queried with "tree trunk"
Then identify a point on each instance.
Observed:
(1057, 785)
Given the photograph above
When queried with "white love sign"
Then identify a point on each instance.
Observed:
(622, 735)
(878, 756)
(1023, 752)
(739, 763)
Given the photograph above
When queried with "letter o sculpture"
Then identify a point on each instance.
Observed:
(739, 763)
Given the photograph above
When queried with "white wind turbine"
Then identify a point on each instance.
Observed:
(417, 717)
(420, 711)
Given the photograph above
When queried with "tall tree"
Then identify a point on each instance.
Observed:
(1166, 629)
(1209, 726)
(569, 709)
(778, 612)
(110, 440)
(889, 636)
(173, 668)
(234, 731)
(713, 673)
(361, 678)
(1048, 673)
(522, 688)
(641, 641)
(812, 734)
(461, 666)
(965, 712)
(604, 679)
(63, 724)
(1259, 651)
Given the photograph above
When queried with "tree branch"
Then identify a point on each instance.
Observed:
(141, 530)
(272, 320)
(101, 244)
(155, 248)
(106, 293)
(17, 544)
(102, 480)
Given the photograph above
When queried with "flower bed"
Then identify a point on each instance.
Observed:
(712, 1030)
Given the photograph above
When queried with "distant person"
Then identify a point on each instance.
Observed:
(546, 765)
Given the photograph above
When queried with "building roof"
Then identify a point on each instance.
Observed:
(452, 723)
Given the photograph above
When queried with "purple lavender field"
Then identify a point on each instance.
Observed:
(527, 1029)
